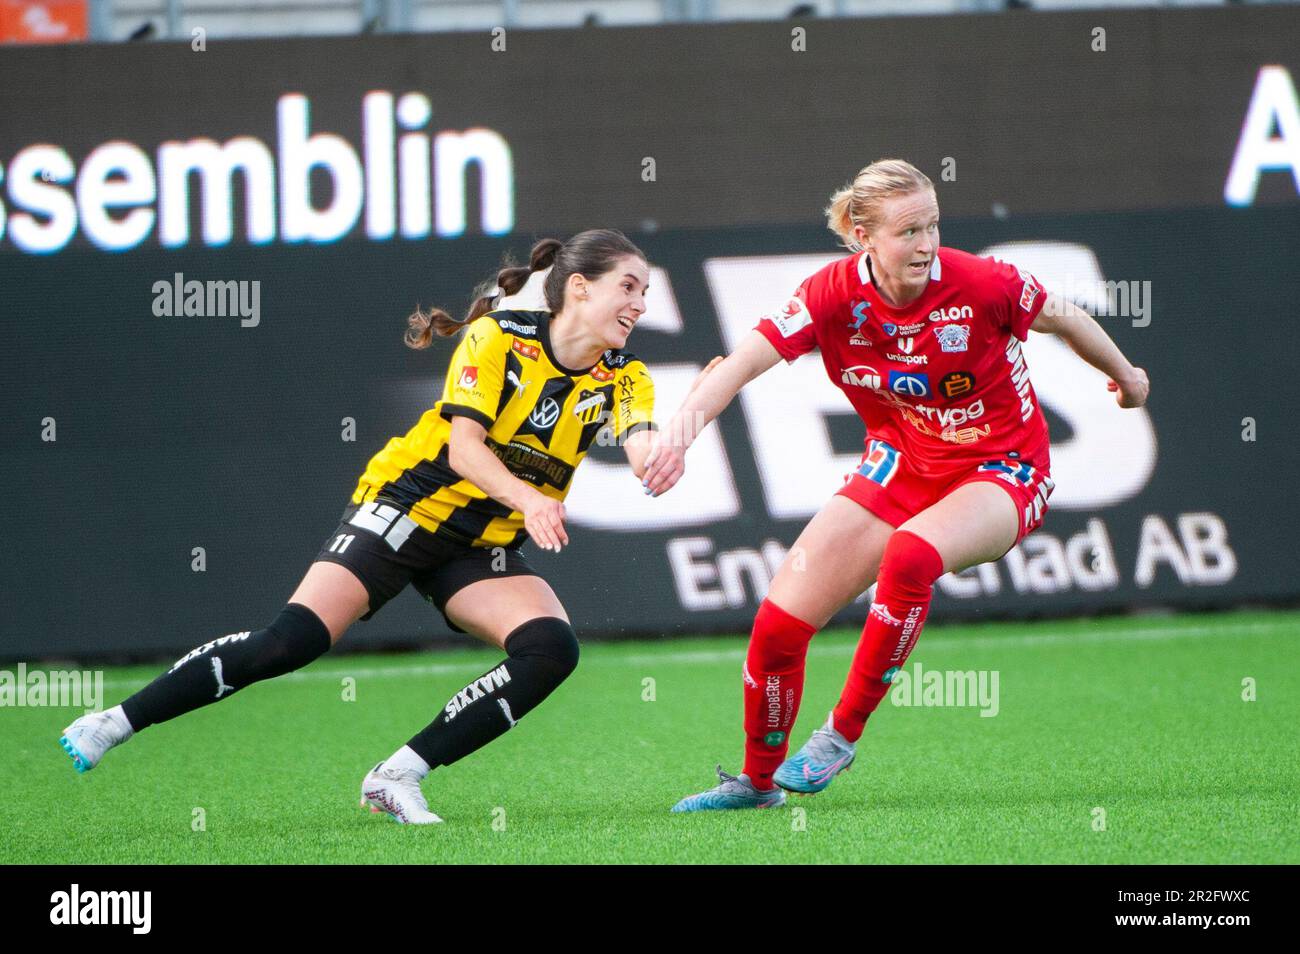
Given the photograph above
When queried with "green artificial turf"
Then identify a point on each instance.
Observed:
(1139, 718)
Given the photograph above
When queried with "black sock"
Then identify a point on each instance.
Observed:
(218, 669)
(542, 652)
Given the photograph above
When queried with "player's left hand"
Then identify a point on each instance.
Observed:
(1133, 391)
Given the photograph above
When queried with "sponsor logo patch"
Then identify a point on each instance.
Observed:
(792, 318)
(956, 384)
(861, 375)
(527, 350)
(912, 385)
(468, 377)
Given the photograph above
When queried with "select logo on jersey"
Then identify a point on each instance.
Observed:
(527, 350)
(956, 384)
(468, 377)
(792, 318)
(589, 405)
(545, 414)
(600, 374)
(912, 385)
(955, 313)
(861, 375)
(859, 340)
(953, 337)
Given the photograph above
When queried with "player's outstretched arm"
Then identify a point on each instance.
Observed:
(470, 457)
(712, 391)
(1080, 331)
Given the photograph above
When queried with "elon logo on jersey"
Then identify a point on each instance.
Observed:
(468, 377)
(910, 384)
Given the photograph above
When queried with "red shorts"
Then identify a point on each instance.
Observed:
(894, 492)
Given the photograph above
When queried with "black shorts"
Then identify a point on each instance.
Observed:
(386, 550)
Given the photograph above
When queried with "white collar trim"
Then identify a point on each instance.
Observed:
(864, 273)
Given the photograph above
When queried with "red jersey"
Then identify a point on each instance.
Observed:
(943, 378)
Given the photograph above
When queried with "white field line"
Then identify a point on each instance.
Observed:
(737, 655)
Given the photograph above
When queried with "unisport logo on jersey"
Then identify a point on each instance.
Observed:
(953, 337)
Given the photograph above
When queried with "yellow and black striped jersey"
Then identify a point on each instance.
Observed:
(541, 419)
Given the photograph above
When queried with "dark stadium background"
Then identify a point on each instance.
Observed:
(175, 433)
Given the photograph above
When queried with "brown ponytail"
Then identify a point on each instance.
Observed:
(422, 326)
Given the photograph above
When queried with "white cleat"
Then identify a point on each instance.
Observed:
(398, 794)
(88, 738)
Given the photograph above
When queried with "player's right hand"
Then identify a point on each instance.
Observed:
(664, 465)
(1134, 391)
(544, 521)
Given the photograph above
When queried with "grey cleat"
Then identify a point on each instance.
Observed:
(733, 791)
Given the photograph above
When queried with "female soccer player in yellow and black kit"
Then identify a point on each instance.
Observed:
(446, 507)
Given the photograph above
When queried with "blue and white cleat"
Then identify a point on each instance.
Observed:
(733, 791)
(88, 738)
(825, 755)
(396, 793)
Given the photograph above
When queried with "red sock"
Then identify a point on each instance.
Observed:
(903, 588)
(773, 686)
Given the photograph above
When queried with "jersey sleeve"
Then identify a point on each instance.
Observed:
(477, 372)
(634, 407)
(1018, 295)
(791, 328)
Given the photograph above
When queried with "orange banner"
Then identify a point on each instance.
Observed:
(42, 21)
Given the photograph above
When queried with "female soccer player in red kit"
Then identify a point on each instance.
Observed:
(925, 341)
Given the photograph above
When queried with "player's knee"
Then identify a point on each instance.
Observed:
(298, 636)
(910, 560)
(779, 639)
(548, 641)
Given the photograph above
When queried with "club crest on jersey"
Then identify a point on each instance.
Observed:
(545, 414)
(953, 337)
(589, 406)
(527, 350)
(468, 377)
